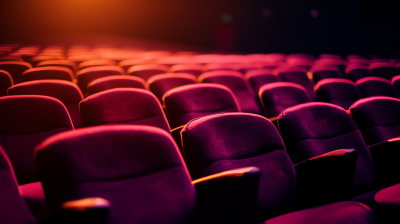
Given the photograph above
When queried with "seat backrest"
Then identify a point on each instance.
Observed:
(339, 64)
(67, 92)
(375, 86)
(147, 71)
(15, 69)
(194, 69)
(341, 92)
(377, 118)
(330, 56)
(13, 208)
(26, 121)
(5, 82)
(260, 77)
(312, 129)
(86, 75)
(116, 81)
(321, 72)
(222, 142)
(127, 64)
(219, 66)
(9, 58)
(296, 75)
(396, 83)
(185, 103)
(384, 70)
(358, 71)
(138, 169)
(276, 97)
(160, 84)
(237, 84)
(48, 72)
(60, 63)
(91, 63)
(123, 106)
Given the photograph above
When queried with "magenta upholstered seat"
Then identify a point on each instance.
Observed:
(260, 77)
(26, 121)
(296, 75)
(48, 72)
(272, 64)
(85, 76)
(396, 82)
(194, 69)
(67, 92)
(338, 63)
(341, 92)
(278, 96)
(320, 72)
(36, 60)
(138, 169)
(60, 63)
(307, 64)
(91, 63)
(9, 58)
(384, 70)
(160, 84)
(147, 71)
(116, 81)
(245, 67)
(301, 56)
(15, 68)
(355, 56)
(237, 84)
(219, 66)
(127, 64)
(360, 61)
(5, 82)
(375, 86)
(378, 118)
(358, 71)
(330, 56)
(223, 142)
(123, 106)
(185, 103)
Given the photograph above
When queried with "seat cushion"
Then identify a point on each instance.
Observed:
(33, 195)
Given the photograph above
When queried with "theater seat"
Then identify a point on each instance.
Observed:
(260, 77)
(194, 69)
(123, 106)
(320, 72)
(296, 75)
(358, 71)
(160, 84)
(237, 84)
(48, 72)
(60, 63)
(147, 71)
(127, 64)
(375, 86)
(341, 92)
(92, 63)
(15, 68)
(384, 70)
(68, 93)
(85, 76)
(396, 83)
(5, 82)
(116, 81)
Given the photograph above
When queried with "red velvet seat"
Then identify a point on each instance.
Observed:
(194, 69)
(91, 63)
(375, 86)
(116, 81)
(50, 72)
(358, 71)
(384, 70)
(87, 75)
(147, 71)
(15, 68)
(60, 63)
(341, 92)
(320, 72)
(5, 82)
(296, 75)
(127, 64)
(5, 58)
(260, 77)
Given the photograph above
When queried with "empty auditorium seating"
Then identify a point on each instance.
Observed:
(296, 75)
(338, 63)
(384, 70)
(358, 71)
(127, 64)
(115, 81)
(245, 67)
(260, 77)
(272, 64)
(219, 66)
(185, 103)
(91, 63)
(123, 106)
(375, 86)
(146, 71)
(238, 85)
(5, 82)
(341, 92)
(85, 76)
(222, 142)
(10, 58)
(15, 68)
(160, 84)
(194, 69)
(320, 72)
(301, 62)
(68, 93)
(278, 96)
(60, 63)
(48, 72)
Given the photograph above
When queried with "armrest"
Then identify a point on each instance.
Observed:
(176, 135)
(331, 172)
(274, 120)
(385, 158)
(228, 197)
(87, 210)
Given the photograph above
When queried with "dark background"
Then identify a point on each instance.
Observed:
(253, 26)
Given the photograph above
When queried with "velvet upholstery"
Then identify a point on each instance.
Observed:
(147, 71)
(339, 64)
(5, 82)
(260, 77)
(378, 118)
(10, 58)
(123, 106)
(237, 84)
(384, 70)
(137, 168)
(48, 72)
(92, 63)
(15, 69)
(185, 103)
(341, 92)
(60, 63)
(375, 86)
(312, 129)
(194, 69)
(116, 81)
(396, 83)
(67, 92)
(127, 64)
(219, 66)
(321, 72)
(85, 76)
(296, 75)
(358, 71)
(25, 122)
(13, 209)
(276, 97)
(160, 84)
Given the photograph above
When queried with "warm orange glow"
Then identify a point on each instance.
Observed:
(230, 173)
(339, 152)
(394, 139)
(86, 203)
